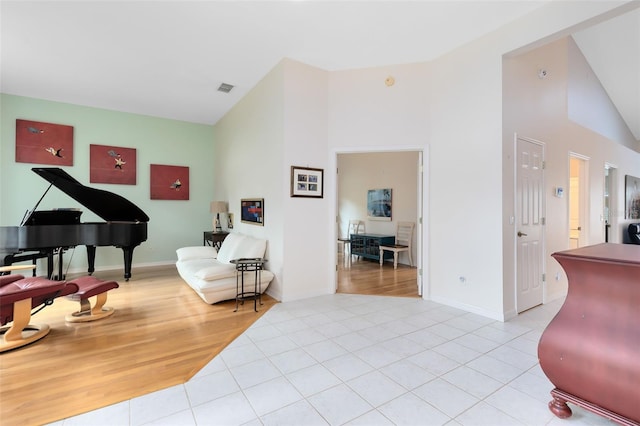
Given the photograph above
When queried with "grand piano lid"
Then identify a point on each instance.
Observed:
(109, 206)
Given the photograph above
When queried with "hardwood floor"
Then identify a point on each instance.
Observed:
(161, 334)
(367, 277)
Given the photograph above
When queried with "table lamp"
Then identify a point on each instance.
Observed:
(217, 207)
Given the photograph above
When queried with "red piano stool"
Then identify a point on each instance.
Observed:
(18, 296)
(590, 351)
(89, 287)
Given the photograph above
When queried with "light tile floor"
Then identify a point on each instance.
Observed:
(363, 360)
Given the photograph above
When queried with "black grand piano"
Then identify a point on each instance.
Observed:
(48, 232)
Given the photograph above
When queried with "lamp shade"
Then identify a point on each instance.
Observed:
(218, 207)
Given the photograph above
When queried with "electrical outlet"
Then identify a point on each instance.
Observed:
(463, 280)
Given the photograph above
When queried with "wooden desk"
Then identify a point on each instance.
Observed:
(591, 349)
(213, 239)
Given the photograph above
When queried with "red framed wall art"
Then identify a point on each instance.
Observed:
(169, 182)
(44, 143)
(112, 164)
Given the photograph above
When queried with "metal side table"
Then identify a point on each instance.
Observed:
(248, 265)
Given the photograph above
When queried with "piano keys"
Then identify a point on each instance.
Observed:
(49, 232)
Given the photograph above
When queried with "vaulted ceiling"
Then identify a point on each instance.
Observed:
(168, 58)
(612, 49)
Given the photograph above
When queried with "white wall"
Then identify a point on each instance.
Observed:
(589, 104)
(279, 124)
(466, 137)
(248, 145)
(451, 106)
(307, 221)
(359, 172)
(535, 108)
(544, 109)
(465, 178)
(366, 115)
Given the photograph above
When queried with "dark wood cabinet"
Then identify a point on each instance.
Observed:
(590, 351)
(368, 245)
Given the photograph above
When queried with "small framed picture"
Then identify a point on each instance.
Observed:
(252, 211)
(307, 182)
(632, 197)
(379, 204)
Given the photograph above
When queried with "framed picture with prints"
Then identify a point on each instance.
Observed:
(307, 182)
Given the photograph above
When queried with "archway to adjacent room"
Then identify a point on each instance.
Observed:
(578, 200)
(609, 214)
(357, 173)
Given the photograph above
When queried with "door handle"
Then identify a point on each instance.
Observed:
(521, 234)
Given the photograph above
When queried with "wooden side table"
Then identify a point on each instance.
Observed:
(249, 265)
(213, 239)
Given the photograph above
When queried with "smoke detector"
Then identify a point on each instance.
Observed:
(225, 88)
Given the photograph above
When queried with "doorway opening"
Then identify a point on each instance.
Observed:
(609, 213)
(358, 173)
(578, 200)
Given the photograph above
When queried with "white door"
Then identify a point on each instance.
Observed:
(418, 234)
(529, 223)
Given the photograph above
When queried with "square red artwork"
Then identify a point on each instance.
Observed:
(112, 164)
(44, 143)
(169, 182)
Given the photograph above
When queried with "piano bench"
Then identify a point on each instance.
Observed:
(87, 287)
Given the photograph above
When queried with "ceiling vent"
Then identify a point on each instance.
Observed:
(224, 87)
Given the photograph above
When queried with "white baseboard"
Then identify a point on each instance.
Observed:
(110, 268)
(498, 316)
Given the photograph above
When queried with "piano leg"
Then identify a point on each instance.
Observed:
(50, 263)
(59, 251)
(61, 276)
(128, 259)
(91, 258)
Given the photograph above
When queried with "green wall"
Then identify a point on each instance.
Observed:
(172, 224)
